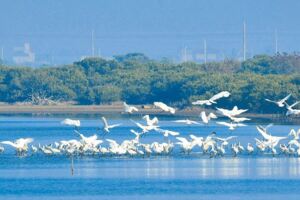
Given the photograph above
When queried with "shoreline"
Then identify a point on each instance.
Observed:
(108, 109)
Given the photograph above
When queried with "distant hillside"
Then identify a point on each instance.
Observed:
(137, 79)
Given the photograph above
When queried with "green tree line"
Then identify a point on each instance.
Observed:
(136, 79)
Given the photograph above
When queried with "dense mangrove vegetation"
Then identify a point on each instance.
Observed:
(136, 79)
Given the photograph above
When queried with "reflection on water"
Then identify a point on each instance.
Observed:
(154, 167)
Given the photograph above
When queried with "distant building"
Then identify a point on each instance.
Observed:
(24, 55)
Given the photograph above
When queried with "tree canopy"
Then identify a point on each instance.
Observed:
(136, 79)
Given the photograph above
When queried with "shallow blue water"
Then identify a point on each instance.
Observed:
(156, 177)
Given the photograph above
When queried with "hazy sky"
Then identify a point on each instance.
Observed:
(60, 31)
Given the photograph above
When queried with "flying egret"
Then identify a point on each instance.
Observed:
(225, 140)
(106, 127)
(150, 122)
(187, 121)
(129, 109)
(164, 107)
(137, 135)
(291, 110)
(213, 99)
(166, 133)
(146, 128)
(231, 125)
(197, 141)
(71, 122)
(234, 112)
(238, 119)
(209, 142)
(21, 145)
(91, 141)
(186, 145)
(281, 102)
(271, 141)
(206, 118)
(295, 134)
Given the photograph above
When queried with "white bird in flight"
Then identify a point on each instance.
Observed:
(225, 140)
(71, 122)
(106, 127)
(239, 119)
(231, 125)
(186, 121)
(146, 128)
(129, 109)
(213, 99)
(150, 122)
(281, 102)
(166, 133)
(232, 113)
(91, 141)
(186, 145)
(295, 134)
(291, 110)
(164, 107)
(206, 118)
(271, 141)
(21, 145)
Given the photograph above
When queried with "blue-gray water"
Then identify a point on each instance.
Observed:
(156, 177)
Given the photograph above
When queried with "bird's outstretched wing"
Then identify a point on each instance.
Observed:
(199, 102)
(294, 104)
(230, 137)
(114, 125)
(269, 100)
(224, 123)
(181, 139)
(263, 133)
(219, 95)
(104, 121)
(286, 98)
(9, 143)
(134, 132)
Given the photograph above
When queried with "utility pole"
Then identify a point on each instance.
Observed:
(244, 42)
(184, 54)
(2, 54)
(99, 52)
(205, 51)
(93, 44)
(276, 42)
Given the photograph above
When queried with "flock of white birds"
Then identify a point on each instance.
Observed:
(212, 145)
